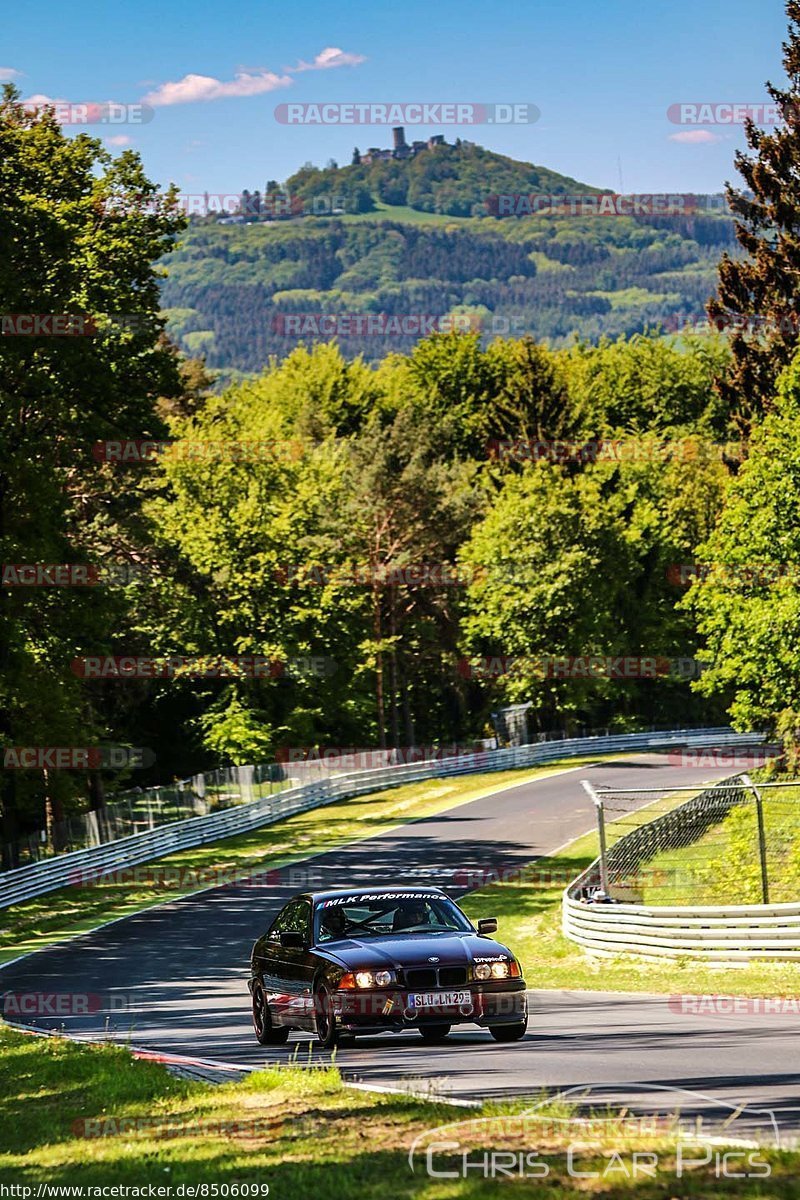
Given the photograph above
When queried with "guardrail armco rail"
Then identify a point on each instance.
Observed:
(727, 933)
(23, 883)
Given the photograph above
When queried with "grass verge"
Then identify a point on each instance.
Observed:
(94, 1117)
(73, 910)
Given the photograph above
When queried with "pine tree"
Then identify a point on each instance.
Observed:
(758, 297)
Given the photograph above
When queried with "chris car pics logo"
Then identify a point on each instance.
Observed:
(605, 1141)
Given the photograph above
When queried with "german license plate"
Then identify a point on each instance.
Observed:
(438, 999)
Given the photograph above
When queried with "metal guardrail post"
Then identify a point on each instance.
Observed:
(762, 839)
(601, 832)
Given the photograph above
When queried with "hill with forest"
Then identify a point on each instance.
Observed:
(422, 243)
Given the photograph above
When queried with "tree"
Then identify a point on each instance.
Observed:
(79, 233)
(575, 563)
(405, 509)
(758, 294)
(748, 605)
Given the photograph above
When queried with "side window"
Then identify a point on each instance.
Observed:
(295, 917)
(299, 917)
(281, 922)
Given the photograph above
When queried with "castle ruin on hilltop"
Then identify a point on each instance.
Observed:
(400, 148)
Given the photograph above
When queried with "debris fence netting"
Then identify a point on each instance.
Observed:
(737, 842)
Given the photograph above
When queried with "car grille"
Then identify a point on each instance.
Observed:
(452, 976)
(419, 977)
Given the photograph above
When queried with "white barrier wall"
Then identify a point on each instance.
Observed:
(728, 933)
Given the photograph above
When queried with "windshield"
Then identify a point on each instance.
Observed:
(375, 916)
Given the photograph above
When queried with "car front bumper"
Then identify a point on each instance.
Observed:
(496, 1003)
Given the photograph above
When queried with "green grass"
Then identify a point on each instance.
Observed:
(401, 212)
(635, 297)
(48, 918)
(300, 1132)
(549, 266)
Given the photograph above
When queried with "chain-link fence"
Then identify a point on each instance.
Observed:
(140, 809)
(735, 843)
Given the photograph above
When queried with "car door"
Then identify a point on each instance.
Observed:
(287, 969)
(269, 965)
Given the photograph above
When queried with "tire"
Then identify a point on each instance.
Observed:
(266, 1033)
(434, 1033)
(327, 1031)
(509, 1033)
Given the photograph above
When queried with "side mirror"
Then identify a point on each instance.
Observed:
(292, 940)
(487, 925)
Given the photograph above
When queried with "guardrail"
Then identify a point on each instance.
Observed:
(80, 866)
(726, 933)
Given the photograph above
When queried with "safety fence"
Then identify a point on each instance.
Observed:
(138, 809)
(74, 868)
(712, 875)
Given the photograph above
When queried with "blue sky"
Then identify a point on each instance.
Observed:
(602, 72)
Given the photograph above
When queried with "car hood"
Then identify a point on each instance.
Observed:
(416, 950)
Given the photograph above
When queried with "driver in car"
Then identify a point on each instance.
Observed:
(332, 924)
(410, 914)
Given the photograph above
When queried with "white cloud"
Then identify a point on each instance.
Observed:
(695, 137)
(248, 81)
(119, 139)
(194, 88)
(8, 73)
(39, 99)
(328, 58)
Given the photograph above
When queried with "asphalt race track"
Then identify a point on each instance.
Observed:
(173, 979)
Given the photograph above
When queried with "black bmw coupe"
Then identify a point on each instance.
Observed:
(357, 961)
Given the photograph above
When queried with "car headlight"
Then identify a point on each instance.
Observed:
(500, 970)
(483, 971)
(369, 979)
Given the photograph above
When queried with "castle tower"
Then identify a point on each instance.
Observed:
(399, 135)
